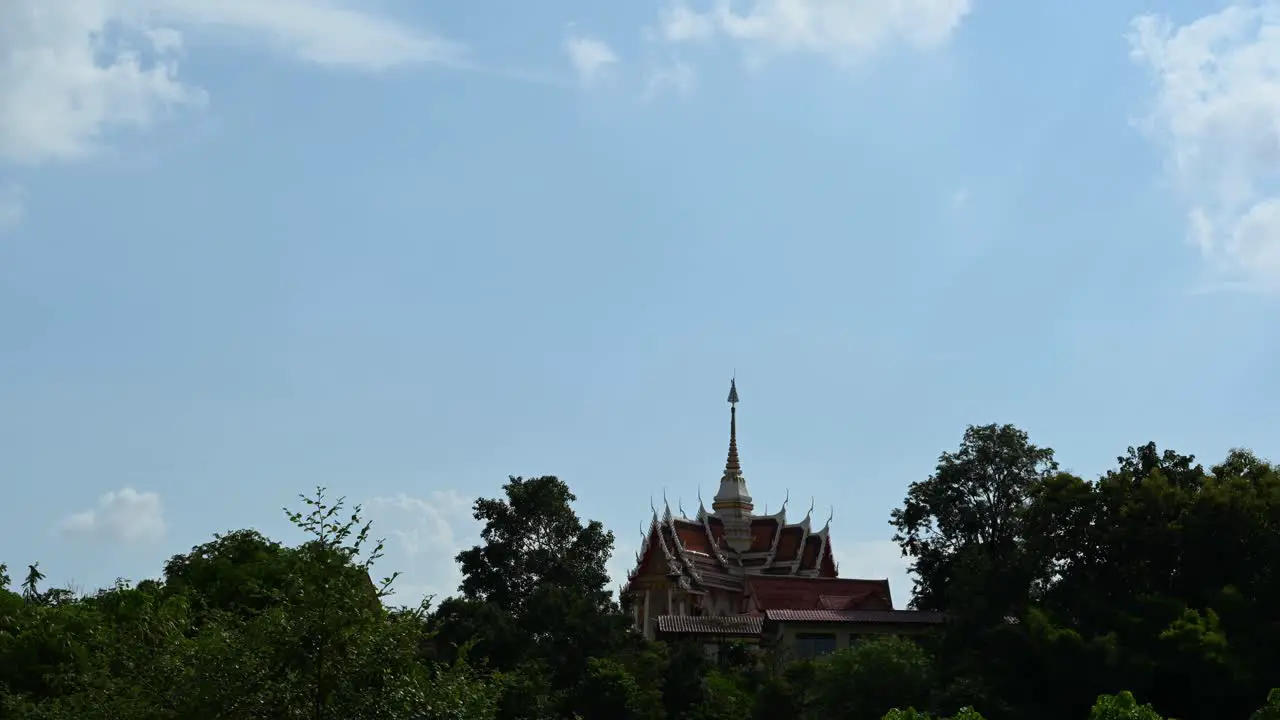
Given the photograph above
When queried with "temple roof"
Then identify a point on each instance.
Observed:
(913, 617)
(694, 552)
(707, 625)
(836, 594)
(722, 549)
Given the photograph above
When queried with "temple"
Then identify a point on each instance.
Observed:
(730, 573)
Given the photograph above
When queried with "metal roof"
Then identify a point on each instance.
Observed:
(711, 625)
(893, 617)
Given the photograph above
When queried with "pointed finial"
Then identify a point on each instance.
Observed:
(831, 515)
(811, 502)
(680, 506)
(732, 467)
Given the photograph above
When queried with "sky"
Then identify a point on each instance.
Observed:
(405, 249)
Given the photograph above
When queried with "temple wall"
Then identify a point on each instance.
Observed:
(722, 602)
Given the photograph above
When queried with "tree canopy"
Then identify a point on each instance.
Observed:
(1149, 592)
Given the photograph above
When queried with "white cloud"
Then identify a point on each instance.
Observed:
(72, 70)
(843, 31)
(424, 536)
(1217, 113)
(13, 200)
(591, 58)
(125, 516)
(677, 77)
(680, 24)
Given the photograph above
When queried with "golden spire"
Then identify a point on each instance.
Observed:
(732, 468)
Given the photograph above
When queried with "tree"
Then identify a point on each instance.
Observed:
(240, 572)
(964, 527)
(1122, 707)
(1270, 711)
(275, 632)
(1162, 571)
(535, 595)
(31, 585)
(532, 539)
(872, 677)
(974, 553)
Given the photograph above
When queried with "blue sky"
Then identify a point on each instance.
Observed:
(405, 249)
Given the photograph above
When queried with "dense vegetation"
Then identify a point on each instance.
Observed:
(1153, 591)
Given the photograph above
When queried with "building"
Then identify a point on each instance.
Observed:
(730, 574)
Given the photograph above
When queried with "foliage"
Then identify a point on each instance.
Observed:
(876, 675)
(1152, 591)
(241, 628)
(1122, 707)
(1270, 711)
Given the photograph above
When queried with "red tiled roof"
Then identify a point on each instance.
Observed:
(762, 532)
(692, 536)
(792, 593)
(711, 625)
(828, 563)
(837, 602)
(789, 543)
(913, 617)
(809, 553)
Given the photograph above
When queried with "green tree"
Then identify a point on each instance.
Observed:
(1270, 711)
(872, 677)
(30, 586)
(535, 599)
(964, 527)
(1163, 574)
(300, 635)
(533, 539)
(1122, 707)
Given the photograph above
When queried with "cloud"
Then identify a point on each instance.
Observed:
(678, 78)
(126, 516)
(591, 58)
(13, 200)
(73, 70)
(1216, 113)
(842, 31)
(424, 535)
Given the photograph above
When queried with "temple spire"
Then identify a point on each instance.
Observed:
(732, 467)
(732, 500)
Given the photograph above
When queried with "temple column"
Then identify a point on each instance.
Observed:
(670, 607)
(644, 628)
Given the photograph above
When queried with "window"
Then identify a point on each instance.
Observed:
(811, 645)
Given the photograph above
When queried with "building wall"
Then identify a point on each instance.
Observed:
(793, 635)
(722, 602)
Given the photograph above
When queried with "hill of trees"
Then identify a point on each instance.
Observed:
(1150, 592)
